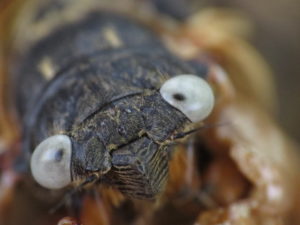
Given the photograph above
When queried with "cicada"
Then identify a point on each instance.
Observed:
(128, 116)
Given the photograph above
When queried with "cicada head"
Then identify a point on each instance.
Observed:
(127, 142)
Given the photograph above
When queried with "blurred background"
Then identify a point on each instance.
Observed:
(276, 36)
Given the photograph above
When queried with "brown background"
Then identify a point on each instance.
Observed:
(277, 36)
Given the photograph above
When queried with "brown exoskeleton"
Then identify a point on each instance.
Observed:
(103, 97)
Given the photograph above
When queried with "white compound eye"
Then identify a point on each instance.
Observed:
(51, 162)
(190, 94)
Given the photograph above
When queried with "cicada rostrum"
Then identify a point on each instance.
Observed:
(126, 115)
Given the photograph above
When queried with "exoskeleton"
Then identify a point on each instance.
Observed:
(108, 96)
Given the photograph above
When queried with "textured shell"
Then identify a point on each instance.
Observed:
(95, 79)
(264, 170)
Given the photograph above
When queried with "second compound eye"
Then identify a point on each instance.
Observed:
(50, 162)
(190, 94)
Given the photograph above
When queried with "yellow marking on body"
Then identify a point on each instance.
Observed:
(112, 37)
(47, 68)
(141, 133)
(111, 147)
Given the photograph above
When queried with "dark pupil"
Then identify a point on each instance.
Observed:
(179, 97)
(58, 155)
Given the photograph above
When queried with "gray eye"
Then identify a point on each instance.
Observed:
(51, 161)
(190, 94)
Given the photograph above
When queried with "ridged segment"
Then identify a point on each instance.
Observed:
(140, 169)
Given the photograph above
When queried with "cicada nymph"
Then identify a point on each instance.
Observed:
(129, 116)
